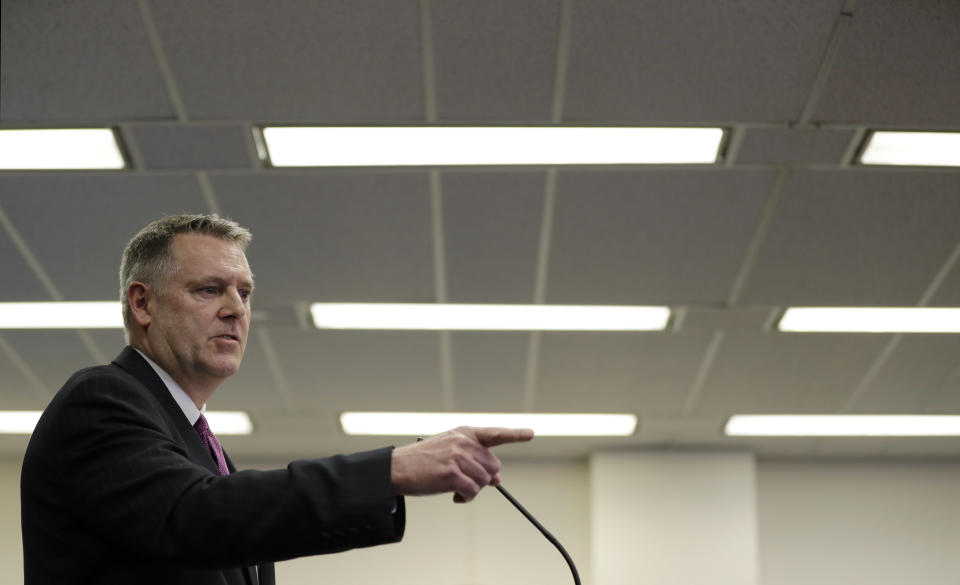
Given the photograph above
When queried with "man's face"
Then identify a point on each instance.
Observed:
(199, 324)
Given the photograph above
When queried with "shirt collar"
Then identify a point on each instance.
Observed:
(186, 404)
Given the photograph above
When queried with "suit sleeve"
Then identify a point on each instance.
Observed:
(135, 487)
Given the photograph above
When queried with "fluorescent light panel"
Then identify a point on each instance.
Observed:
(930, 149)
(229, 422)
(18, 422)
(857, 425)
(871, 320)
(66, 315)
(222, 422)
(441, 316)
(67, 149)
(445, 145)
(544, 425)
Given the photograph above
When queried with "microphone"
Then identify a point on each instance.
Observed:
(553, 540)
(546, 533)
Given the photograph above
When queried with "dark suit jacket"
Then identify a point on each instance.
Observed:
(116, 487)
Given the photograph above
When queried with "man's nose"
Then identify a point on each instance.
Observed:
(234, 305)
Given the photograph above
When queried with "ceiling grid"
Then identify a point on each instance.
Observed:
(43, 276)
(131, 148)
(276, 370)
(787, 216)
(206, 188)
(163, 63)
(445, 344)
(888, 350)
(541, 274)
(743, 274)
(25, 370)
(826, 65)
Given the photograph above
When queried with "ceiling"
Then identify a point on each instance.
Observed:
(786, 218)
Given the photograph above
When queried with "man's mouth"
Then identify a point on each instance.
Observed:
(228, 336)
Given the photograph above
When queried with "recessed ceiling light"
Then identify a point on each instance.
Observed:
(544, 425)
(18, 422)
(62, 315)
(65, 149)
(445, 145)
(223, 422)
(931, 149)
(229, 422)
(441, 316)
(871, 320)
(856, 425)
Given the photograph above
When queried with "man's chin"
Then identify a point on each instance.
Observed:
(223, 367)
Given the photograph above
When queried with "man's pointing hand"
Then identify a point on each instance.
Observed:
(458, 461)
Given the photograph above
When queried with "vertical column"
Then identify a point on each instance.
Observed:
(673, 519)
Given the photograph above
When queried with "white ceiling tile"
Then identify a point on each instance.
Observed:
(915, 374)
(16, 390)
(489, 370)
(53, 356)
(78, 61)
(19, 282)
(899, 63)
(309, 61)
(351, 237)
(778, 145)
(857, 238)
(926, 447)
(852, 446)
(185, 146)
(491, 235)
(694, 61)
(78, 224)
(362, 370)
(649, 374)
(650, 237)
(676, 235)
(778, 373)
(253, 387)
(948, 293)
(774, 447)
(686, 429)
(13, 446)
(495, 59)
(110, 342)
(946, 400)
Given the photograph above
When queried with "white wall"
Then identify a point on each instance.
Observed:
(823, 523)
(11, 546)
(853, 523)
(655, 512)
(486, 541)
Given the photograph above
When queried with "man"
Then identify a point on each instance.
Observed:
(123, 482)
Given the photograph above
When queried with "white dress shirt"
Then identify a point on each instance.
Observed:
(186, 404)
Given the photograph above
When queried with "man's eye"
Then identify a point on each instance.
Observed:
(210, 290)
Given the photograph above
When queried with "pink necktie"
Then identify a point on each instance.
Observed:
(212, 444)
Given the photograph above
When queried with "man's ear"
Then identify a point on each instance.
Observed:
(138, 297)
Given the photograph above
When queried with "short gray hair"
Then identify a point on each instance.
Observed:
(148, 257)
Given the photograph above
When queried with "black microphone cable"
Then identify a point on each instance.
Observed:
(553, 540)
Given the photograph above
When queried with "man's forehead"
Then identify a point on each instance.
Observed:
(192, 247)
(190, 241)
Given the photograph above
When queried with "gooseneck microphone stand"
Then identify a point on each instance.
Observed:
(553, 539)
(544, 531)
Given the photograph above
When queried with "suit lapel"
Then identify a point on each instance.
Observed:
(133, 363)
(250, 574)
(266, 574)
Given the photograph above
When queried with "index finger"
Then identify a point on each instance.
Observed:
(493, 436)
